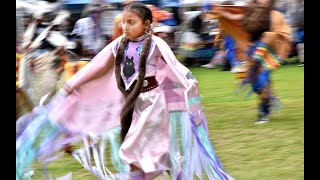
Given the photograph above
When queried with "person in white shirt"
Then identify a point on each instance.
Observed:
(89, 31)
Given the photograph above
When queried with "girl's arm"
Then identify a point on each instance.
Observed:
(99, 71)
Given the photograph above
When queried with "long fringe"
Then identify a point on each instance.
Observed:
(191, 150)
(37, 139)
(191, 154)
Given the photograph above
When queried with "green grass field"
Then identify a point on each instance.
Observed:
(248, 151)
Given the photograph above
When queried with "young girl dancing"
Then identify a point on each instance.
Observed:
(137, 96)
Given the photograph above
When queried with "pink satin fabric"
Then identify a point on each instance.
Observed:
(96, 105)
(147, 143)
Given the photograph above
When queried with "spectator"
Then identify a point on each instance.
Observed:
(296, 14)
(172, 6)
(88, 31)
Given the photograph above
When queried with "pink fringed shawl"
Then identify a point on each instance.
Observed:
(96, 105)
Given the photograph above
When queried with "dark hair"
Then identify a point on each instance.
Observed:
(256, 21)
(131, 96)
(140, 9)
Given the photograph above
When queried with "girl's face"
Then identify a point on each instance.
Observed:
(264, 2)
(133, 26)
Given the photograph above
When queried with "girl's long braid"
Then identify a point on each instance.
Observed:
(127, 111)
(119, 57)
